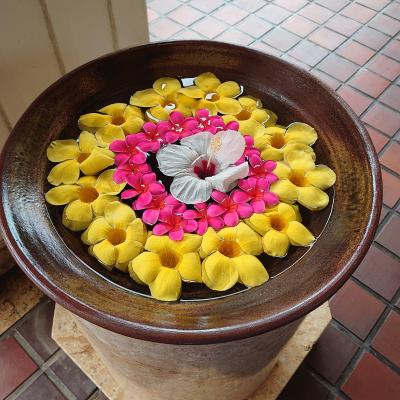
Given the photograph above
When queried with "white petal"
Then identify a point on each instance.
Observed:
(227, 178)
(198, 142)
(230, 150)
(190, 189)
(174, 159)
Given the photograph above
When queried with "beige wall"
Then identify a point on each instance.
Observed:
(43, 39)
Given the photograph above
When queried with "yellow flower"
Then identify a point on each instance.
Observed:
(85, 199)
(116, 121)
(276, 141)
(117, 237)
(214, 95)
(303, 181)
(163, 99)
(252, 118)
(75, 156)
(280, 227)
(229, 257)
(167, 263)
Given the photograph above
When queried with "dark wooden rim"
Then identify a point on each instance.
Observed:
(203, 322)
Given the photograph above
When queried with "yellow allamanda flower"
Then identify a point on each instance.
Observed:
(167, 263)
(214, 95)
(117, 237)
(162, 99)
(229, 257)
(115, 121)
(86, 199)
(276, 141)
(303, 181)
(74, 156)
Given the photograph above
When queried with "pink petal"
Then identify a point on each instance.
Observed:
(233, 125)
(150, 216)
(128, 194)
(215, 210)
(176, 117)
(271, 178)
(202, 226)
(216, 223)
(258, 206)
(243, 184)
(133, 140)
(160, 229)
(156, 188)
(231, 218)
(171, 137)
(148, 178)
(119, 176)
(239, 196)
(219, 197)
(200, 206)
(262, 183)
(134, 180)
(175, 234)
(271, 199)
(121, 159)
(180, 208)
(190, 226)
(245, 210)
(144, 199)
(252, 181)
(249, 140)
(138, 158)
(190, 124)
(255, 160)
(165, 214)
(149, 127)
(203, 113)
(118, 146)
(270, 165)
(190, 214)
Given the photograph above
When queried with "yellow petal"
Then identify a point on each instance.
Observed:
(136, 231)
(159, 113)
(228, 118)
(321, 177)
(157, 244)
(299, 235)
(105, 252)
(312, 198)
(133, 275)
(192, 92)
(297, 212)
(190, 243)
(271, 153)
(79, 211)
(260, 115)
(61, 150)
(167, 286)
(94, 120)
(119, 215)
(275, 244)
(101, 202)
(97, 231)
(287, 212)
(251, 127)
(286, 191)
(210, 242)
(249, 103)
(98, 160)
(228, 233)
(166, 86)
(190, 267)
(207, 82)
(62, 194)
(219, 272)
(132, 111)
(106, 185)
(87, 181)
(272, 118)
(209, 105)
(251, 271)
(259, 223)
(248, 239)
(127, 251)
(123, 267)
(108, 134)
(299, 132)
(282, 170)
(132, 125)
(228, 89)
(299, 160)
(66, 172)
(115, 109)
(74, 226)
(185, 103)
(87, 142)
(290, 147)
(225, 105)
(146, 266)
(146, 98)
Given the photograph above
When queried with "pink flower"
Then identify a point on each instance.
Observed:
(124, 170)
(213, 123)
(262, 169)
(144, 188)
(158, 203)
(249, 150)
(154, 134)
(231, 207)
(257, 191)
(178, 127)
(203, 220)
(174, 224)
(131, 150)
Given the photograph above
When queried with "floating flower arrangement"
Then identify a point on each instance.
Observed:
(188, 183)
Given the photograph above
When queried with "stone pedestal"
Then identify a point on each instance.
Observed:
(126, 368)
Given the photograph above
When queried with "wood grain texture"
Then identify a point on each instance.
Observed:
(56, 260)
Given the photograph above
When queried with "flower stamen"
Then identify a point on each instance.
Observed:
(169, 258)
(116, 236)
(230, 249)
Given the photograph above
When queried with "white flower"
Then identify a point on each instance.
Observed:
(203, 162)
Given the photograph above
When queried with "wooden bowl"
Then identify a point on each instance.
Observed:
(56, 260)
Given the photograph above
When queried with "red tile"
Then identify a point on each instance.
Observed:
(316, 13)
(331, 354)
(371, 38)
(375, 4)
(385, 66)
(207, 6)
(393, 10)
(273, 13)
(377, 138)
(363, 313)
(382, 118)
(292, 5)
(380, 272)
(391, 97)
(387, 340)
(391, 188)
(280, 39)
(372, 380)
(235, 36)
(42, 388)
(389, 236)
(164, 28)
(369, 83)
(254, 26)
(336, 5)
(299, 25)
(230, 13)
(391, 157)
(331, 82)
(356, 100)
(358, 12)
(209, 27)
(393, 49)
(16, 366)
(355, 52)
(185, 15)
(385, 24)
(343, 25)
(308, 52)
(327, 38)
(338, 67)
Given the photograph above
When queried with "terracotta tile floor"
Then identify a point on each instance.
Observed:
(354, 46)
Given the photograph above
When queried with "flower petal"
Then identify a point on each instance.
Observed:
(312, 198)
(167, 286)
(97, 231)
(299, 160)
(166, 86)
(74, 226)
(66, 172)
(190, 267)
(227, 178)
(271, 153)
(87, 142)
(275, 244)
(146, 266)
(62, 194)
(259, 223)
(61, 150)
(282, 170)
(128, 250)
(299, 235)
(219, 272)
(192, 92)
(108, 134)
(226, 105)
(199, 142)
(299, 132)
(286, 191)
(105, 252)
(146, 98)
(101, 202)
(105, 183)
(251, 271)
(132, 125)
(209, 243)
(228, 89)
(231, 218)
(207, 82)
(136, 231)
(174, 159)
(248, 239)
(321, 177)
(132, 111)
(190, 189)
(98, 160)
(115, 109)
(189, 244)
(119, 215)
(287, 212)
(94, 120)
(231, 146)
(79, 211)
(251, 127)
